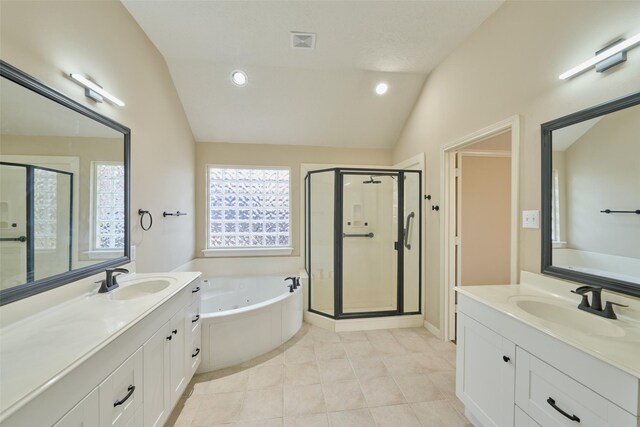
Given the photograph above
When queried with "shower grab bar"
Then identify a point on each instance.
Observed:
(369, 235)
(407, 231)
(14, 239)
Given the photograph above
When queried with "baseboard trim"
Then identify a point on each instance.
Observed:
(348, 325)
(431, 328)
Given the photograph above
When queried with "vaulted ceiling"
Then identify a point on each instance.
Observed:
(322, 97)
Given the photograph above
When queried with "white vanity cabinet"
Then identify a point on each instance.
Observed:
(512, 374)
(134, 380)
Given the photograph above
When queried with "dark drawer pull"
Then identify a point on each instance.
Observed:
(196, 353)
(196, 318)
(552, 402)
(195, 290)
(506, 359)
(131, 389)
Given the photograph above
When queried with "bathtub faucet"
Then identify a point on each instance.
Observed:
(292, 286)
(297, 283)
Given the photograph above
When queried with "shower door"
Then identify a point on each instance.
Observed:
(369, 243)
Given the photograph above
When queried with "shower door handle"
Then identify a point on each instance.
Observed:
(408, 229)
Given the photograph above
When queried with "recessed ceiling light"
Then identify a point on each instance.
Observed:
(382, 88)
(239, 78)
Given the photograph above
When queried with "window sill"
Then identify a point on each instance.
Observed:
(104, 254)
(242, 252)
(558, 245)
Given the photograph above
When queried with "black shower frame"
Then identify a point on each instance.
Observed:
(30, 181)
(338, 212)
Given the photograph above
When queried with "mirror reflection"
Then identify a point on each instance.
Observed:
(62, 181)
(595, 181)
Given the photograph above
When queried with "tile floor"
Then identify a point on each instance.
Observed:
(394, 377)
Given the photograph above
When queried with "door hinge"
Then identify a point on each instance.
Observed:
(457, 171)
(458, 240)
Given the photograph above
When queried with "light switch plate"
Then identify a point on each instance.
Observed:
(530, 219)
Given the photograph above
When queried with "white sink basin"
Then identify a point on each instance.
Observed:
(139, 288)
(567, 316)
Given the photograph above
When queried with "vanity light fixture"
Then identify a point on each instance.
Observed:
(618, 49)
(382, 88)
(239, 78)
(95, 91)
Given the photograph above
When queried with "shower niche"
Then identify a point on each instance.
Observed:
(363, 233)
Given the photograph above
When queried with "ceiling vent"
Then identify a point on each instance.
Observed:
(303, 40)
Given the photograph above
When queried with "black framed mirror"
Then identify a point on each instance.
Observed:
(64, 188)
(591, 196)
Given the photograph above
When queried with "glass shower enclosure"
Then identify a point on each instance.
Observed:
(363, 233)
(36, 206)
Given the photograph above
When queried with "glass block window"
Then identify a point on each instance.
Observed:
(45, 209)
(248, 208)
(108, 206)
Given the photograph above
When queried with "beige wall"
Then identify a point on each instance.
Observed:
(509, 66)
(273, 155)
(602, 171)
(50, 39)
(485, 218)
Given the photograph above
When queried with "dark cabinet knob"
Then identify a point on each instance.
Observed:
(506, 359)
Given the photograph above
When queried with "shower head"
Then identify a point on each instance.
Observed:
(372, 181)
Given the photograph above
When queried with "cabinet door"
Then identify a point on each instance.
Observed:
(179, 342)
(485, 378)
(121, 393)
(157, 377)
(84, 414)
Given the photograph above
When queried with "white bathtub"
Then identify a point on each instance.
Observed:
(245, 317)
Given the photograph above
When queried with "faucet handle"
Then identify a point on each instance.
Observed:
(584, 289)
(585, 299)
(608, 309)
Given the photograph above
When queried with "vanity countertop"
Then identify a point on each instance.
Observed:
(621, 350)
(39, 350)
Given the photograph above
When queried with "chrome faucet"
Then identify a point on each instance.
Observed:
(110, 283)
(596, 302)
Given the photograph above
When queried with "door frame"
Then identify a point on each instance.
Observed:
(447, 229)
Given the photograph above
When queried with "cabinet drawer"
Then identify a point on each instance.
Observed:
(193, 317)
(85, 413)
(121, 393)
(196, 353)
(195, 290)
(552, 398)
(524, 420)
